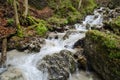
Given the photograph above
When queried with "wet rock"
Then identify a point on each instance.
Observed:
(70, 32)
(103, 54)
(113, 25)
(117, 9)
(31, 44)
(79, 43)
(35, 44)
(81, 60)
(59, 65)
(111, 13)
(12, 74)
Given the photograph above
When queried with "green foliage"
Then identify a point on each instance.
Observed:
(73, 15)
(10, 22)
(115, 54)
(10, 2)
(68, 8)
(41, 28)
(88, 6)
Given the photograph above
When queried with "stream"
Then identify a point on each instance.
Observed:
(27, 62)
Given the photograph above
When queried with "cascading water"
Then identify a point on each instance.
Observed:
(27, 62)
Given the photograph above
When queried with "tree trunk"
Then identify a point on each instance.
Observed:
(19, 30)
(26, 8)
(4, 52)
(16, 13)
(79, 5)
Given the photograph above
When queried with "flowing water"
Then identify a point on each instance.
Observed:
(27, 62)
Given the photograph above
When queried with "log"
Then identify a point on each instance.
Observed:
(3, 52)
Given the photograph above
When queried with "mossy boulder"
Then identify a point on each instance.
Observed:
(103, 54)
(114, 25)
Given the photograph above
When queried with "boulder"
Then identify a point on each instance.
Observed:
(12, 74)
(113, 25)
(59, 65)
(81, 59)
(31, 44)
(79, 43)
(103, 54)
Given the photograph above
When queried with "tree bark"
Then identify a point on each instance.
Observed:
(4, 52)
(17, 23)
(26, 8)
(16, 13)
(79, 5)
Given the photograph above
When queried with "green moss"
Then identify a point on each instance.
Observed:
(88, 6)
(19, 31)
(115, 54)
(74, 15)
(91, 6)
(114, 25)
(57, 21)
(10, 22)
(103, 52)
(109, 42)
(68, 8)
(41, 28)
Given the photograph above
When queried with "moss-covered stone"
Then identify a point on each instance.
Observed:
(114, 25)
(108, 40)
(103, 53)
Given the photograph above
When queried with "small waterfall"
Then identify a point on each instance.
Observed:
(27, 62)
